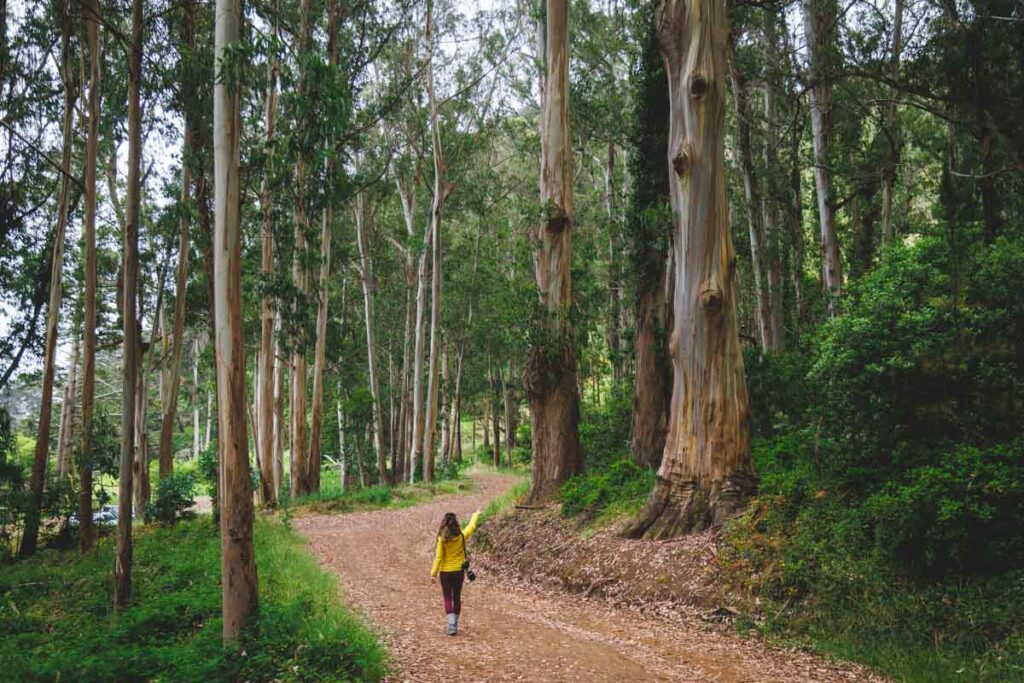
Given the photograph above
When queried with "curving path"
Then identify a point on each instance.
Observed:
(512, 634)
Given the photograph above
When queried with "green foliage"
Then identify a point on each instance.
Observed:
(57, 619)
(622, 487)
(174, 499)
(208, 470)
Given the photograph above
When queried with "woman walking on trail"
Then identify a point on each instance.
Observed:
(450, 561)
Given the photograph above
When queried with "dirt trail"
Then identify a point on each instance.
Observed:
(512, 634)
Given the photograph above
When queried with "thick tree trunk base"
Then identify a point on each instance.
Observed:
(554, 418)
(684, 507)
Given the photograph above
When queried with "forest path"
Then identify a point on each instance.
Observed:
(509, 633)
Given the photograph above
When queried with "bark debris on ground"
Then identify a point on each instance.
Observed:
(511, 632)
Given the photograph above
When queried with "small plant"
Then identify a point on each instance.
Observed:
(174, 500)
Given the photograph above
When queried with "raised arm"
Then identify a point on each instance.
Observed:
(471, 527)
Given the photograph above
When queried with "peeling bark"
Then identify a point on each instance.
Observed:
(707, 472)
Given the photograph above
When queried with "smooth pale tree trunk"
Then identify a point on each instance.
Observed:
(320, 353)
(66, 433)
(550, 376)
(130, 355)
(770, 198)
(418, 357)
(751, 204)
(795, 213)
(279, 423)
(267, 359)
(30, 535)
(889, 173)
(238, 565)
(341, 444)
(445, 408)
(492, 384)
(196, 443)
(613, 336)
(299, 443)
(442, 189)
(91, 19)
(363, 242)
(404, 432)
(508, 401)
(819, 22)
(209, 418)
(707, 473)
(487, 416)
(173, 372)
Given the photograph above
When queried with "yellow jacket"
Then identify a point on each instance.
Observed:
(450, 555)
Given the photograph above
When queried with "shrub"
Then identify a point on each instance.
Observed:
(174, 500)
(963, 515)
(622, 484)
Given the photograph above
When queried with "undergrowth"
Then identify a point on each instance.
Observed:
(332, 498)
(57, 621)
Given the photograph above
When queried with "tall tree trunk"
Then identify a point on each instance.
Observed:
(238, 565)
(508, 401)
(267, 360)
(650, 218)
(366, 277)
(299, 451)
(445, 407)
(279, 423)
(130, 362)
(492, 384)
(819, 22)
(418, 354)
(889, 173)
(442, 188)
(751, 204)
(795, 214)
(91, 18)
(614, 338)
(173, 372)
(404, 431)
(209, 417)
(66, 433)
(770, 197)
(320, 352)
(550, 375)
(30, 536)
(196, 443)
(707, 472)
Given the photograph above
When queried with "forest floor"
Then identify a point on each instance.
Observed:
(513, 632)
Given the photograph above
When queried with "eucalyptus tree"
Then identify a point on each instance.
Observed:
(30, 534)
(707, 472)
(238, 562)
(550, 377)
(820, 23)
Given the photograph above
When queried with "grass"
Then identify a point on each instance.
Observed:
(332, 499)
(514, 495)
(57, 621)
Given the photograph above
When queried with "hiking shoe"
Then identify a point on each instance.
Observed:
(453, 624)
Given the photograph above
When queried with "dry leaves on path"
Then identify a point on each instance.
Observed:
(516, 631)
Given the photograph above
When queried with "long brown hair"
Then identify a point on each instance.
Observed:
(449, 527)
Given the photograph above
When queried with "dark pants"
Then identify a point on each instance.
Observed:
(451, 587)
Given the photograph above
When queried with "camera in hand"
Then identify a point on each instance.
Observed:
(470, 574)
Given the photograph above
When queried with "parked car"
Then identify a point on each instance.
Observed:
(105, 516)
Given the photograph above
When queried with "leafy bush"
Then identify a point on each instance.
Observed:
(209, 472)
(174, 500)
(621, 486)
(963, 515)
(921, 360)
